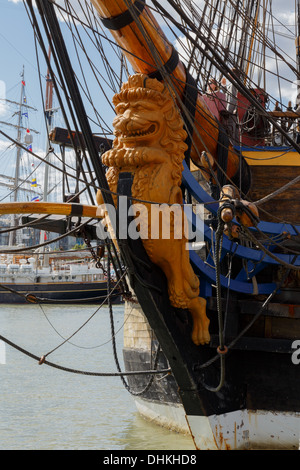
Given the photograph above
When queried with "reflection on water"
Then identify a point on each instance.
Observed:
(46, 408)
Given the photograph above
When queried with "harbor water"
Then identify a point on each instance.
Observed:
(44, 408)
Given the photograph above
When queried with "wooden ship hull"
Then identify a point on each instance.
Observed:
(253, 406)
(245, 394)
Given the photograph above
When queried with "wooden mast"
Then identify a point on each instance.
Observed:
(138, 47)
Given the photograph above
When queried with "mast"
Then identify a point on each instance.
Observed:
(144, 38)
(298, 52)
(252, 38)
(48, 117)
(12, 235)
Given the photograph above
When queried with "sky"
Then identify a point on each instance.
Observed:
(17, 49)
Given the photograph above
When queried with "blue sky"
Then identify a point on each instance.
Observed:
(18, 50)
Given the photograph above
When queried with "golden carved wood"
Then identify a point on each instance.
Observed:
(150, 143)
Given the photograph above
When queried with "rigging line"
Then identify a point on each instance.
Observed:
(148, 385)
(97, 44)
(19, 186)
(50, 22)
(222, 348)
(269, 158)
(233, 23)
(278, 191)
(217, 36)
(17, 250)
(193, 46)
(87, 347)
(48, 15)
(273, 47)
(242, 333)
(48, 163)
(218, 61)
(89, 319)
(226, 52)
(28, 224)
(277, 67)
(271, 241)
(54, 252)
(91, 183)
(88, 12)
(254, 64)
(102, 35)
(49, 65)
(171, 85)
(263, 307)
(85, 89)
(254, 240)
(76, 371)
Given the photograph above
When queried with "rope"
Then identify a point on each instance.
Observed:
(76, 371)
(127, 387)
(221, 349)
(252, 238)
(42, 359)
(256, 316)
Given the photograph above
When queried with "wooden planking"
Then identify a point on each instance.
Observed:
(137, 331)
(283, 207)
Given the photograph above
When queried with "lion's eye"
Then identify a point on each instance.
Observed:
(120, 109)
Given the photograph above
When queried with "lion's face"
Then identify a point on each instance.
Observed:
(139, 123)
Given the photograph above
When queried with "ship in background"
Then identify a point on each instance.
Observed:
(240, 388)
(56, 272)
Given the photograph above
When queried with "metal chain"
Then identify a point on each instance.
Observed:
(96, 257)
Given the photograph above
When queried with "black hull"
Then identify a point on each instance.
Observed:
(65, 292)
(247, 385)
(260, 381)
(259, 373)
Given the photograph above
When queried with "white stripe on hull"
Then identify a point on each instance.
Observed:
(238, 430)
(246, 429)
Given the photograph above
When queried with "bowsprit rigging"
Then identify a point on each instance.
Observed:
(199, 121)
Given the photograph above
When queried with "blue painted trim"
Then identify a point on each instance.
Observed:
(202, 197)
(208, 273)
(250, 254)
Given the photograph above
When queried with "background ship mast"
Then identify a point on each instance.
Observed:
(28, 140)
(48, 118)
(297, 41)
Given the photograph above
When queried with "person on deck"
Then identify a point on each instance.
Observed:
(230, 114)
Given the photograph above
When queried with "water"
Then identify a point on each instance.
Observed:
(43, 408)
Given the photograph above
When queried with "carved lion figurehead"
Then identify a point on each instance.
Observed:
(147, 117)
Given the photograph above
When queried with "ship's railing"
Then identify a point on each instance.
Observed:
(288, 121)
(255, 258)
